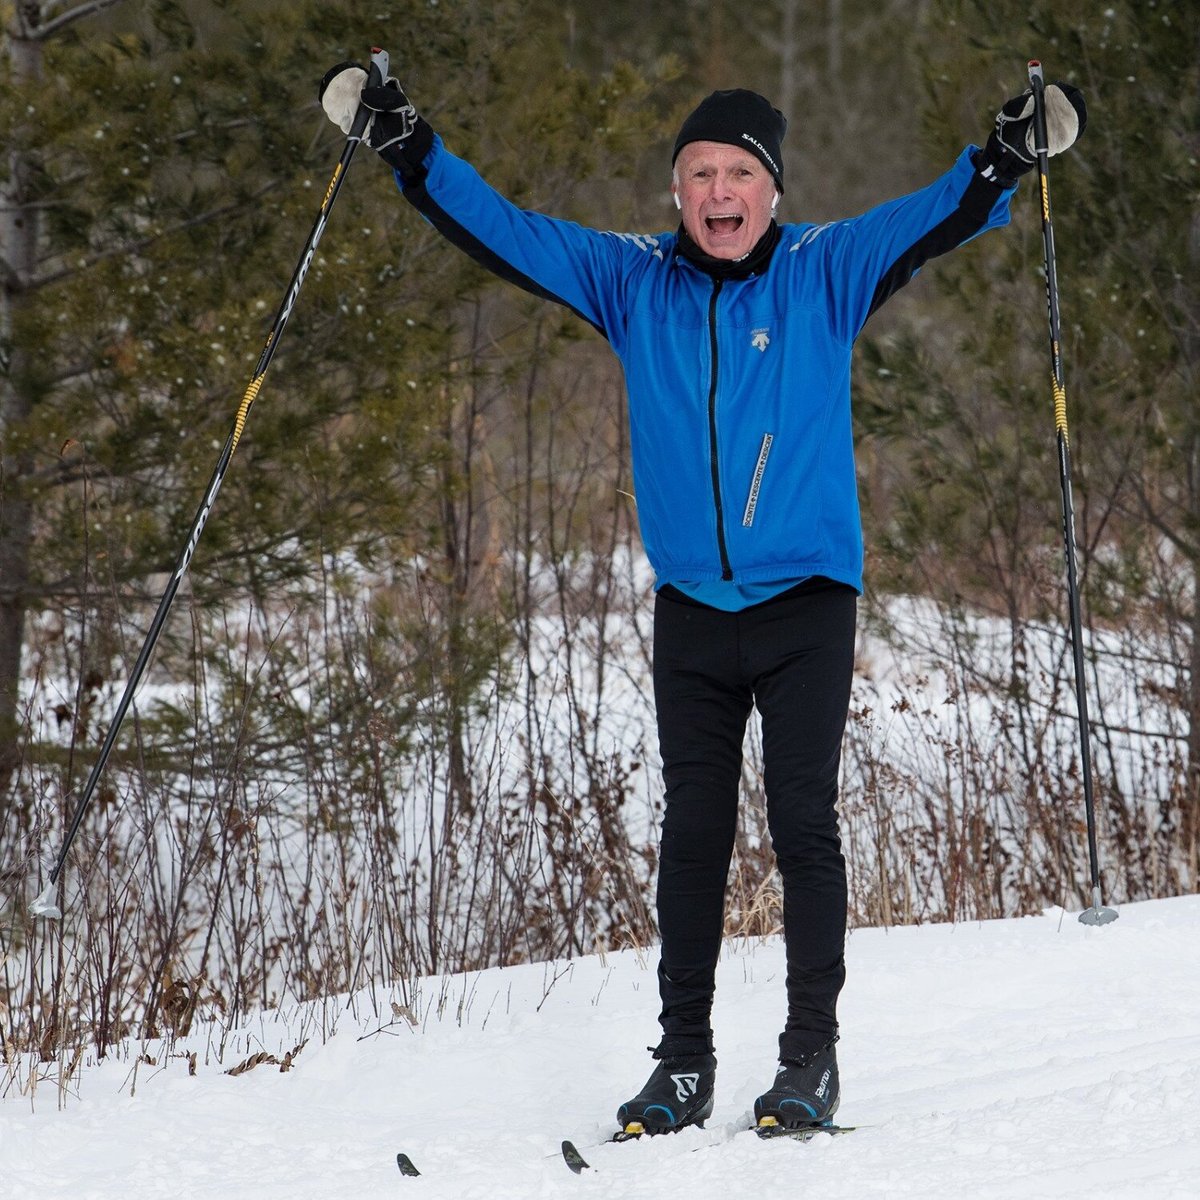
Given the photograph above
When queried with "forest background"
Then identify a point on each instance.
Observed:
(398, 722)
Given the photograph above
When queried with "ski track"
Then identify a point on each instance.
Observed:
(1021, 1058)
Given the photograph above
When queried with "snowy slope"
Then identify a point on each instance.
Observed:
(1016, 1058)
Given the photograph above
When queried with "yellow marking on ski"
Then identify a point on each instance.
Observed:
(767, 1123)
(635, 1127)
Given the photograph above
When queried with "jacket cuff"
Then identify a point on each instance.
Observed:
(998, 164)
(407, 158)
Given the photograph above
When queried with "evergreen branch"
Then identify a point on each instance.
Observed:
(39, 32)
(139, 246)
(59, 473)
(69, 372)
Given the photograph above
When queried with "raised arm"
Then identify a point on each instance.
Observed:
(878, 252)
(582, 268)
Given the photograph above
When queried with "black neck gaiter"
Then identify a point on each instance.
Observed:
(753, 263)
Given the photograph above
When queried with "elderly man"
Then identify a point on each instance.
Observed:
(735, 334)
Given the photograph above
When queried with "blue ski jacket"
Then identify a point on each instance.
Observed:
(739, 389)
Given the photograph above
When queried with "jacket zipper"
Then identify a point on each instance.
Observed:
(726, 569)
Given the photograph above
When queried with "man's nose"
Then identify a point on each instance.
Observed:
(722, 188)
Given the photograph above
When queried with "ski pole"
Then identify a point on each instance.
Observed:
(1097, 914)
(44, 905)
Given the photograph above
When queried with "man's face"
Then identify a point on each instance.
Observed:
(726, 197)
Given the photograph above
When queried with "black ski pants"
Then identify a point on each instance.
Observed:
(793, 658)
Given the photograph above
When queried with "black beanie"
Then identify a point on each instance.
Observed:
(740, 118)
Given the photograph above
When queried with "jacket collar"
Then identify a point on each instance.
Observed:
(753, 263)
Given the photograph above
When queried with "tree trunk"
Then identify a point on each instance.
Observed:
(833, 44)
(1191, 343)
(1191, 801)
(20, 229)
(787, 59)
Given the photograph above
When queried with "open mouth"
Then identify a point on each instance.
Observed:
(723, 223)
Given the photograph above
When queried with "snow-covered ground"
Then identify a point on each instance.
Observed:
(1020, 1058)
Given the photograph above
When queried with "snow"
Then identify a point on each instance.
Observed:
(1027, 1057)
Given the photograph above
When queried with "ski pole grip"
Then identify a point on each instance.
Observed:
(1037, 84)
(377, 75)
(380, 64)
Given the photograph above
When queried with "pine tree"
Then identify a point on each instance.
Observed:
(156, 197)
(157, 194)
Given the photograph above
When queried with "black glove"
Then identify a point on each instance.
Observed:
(396, 130)
(1009, 152)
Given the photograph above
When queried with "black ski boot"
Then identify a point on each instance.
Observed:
(805, 1092)
(679, 1093)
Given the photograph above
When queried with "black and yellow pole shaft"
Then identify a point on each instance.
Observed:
(44, 905)
(1097, 914)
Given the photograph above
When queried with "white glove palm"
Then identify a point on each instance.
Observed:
(341, 94)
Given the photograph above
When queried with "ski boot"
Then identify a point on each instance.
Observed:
(677, 1094)
(804, 1094)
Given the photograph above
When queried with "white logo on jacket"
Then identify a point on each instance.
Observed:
(643, 241)
(761, 339)
(809, 236)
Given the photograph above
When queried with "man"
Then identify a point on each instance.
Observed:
(735, 334)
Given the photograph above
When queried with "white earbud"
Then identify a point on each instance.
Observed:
(678, 202)
(775, 203)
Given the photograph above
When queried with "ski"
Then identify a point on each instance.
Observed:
(578, 1164)
(406, 1165)
(805, 1133)
(574, 1159)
